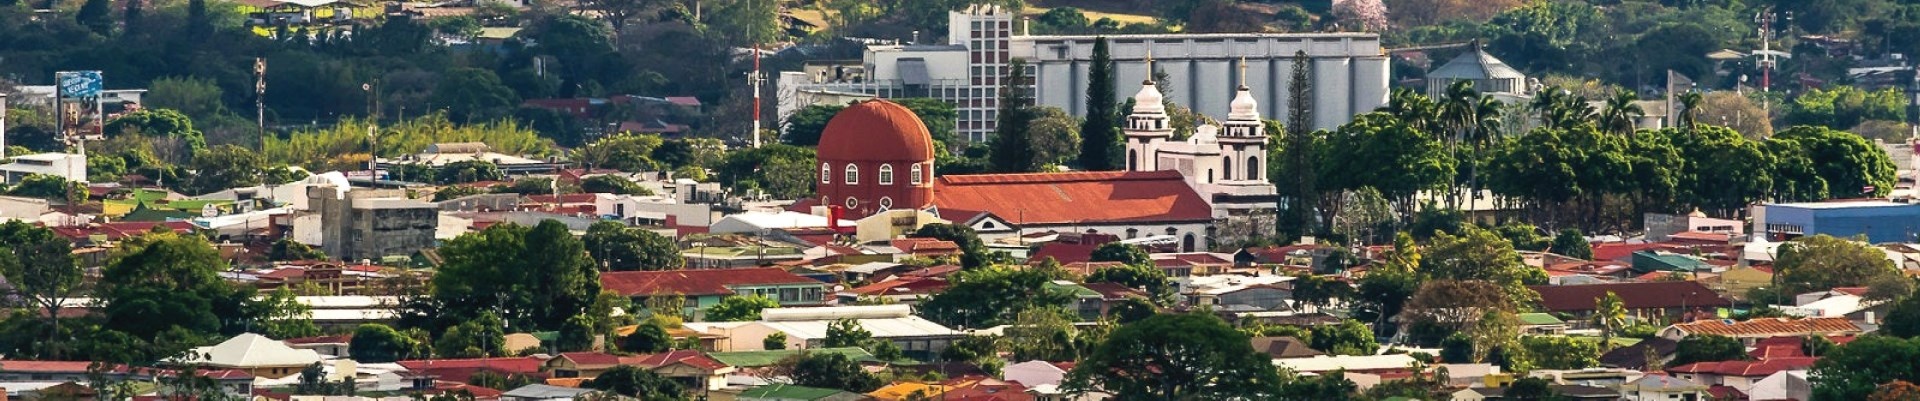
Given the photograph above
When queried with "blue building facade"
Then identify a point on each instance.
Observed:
(1879, 221)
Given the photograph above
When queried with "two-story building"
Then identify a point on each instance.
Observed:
(704, 288)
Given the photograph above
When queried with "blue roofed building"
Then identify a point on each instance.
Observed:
(1880, 221)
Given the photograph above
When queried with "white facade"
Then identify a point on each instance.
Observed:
(1228, 166)
(72, 167)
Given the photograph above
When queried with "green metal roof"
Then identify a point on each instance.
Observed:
(1540, 319)
(788, 391)
(769, 358)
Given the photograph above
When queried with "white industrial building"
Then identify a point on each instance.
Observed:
(1349, 71)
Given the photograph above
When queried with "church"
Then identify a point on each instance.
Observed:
(876, 156)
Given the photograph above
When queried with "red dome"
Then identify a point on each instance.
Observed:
(876, 130)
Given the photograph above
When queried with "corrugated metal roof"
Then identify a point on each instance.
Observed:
(1475, 64)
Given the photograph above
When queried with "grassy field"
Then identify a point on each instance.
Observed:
(1094, 10)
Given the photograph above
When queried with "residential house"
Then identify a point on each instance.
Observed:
(1113, 293)
(1783, 385)
(901, 290)
(1573, 392)
(1596, 377)
(746, 360)
(1193, 263)
(1542, 324)
(542, 392)
(1086, 303)
(252, 353)
(328, 346)
(1036, 373)
(1284, 347)
(425, 372)
(693, 369)
(1750, 331)
(806, 328)
(1646, 301)
(1660, 387)
(1739, 375)
(1650, 353)
(788, 392)
(586, 365)
(705, 288)
(1374, 364)
(1257, 293)
(1658, 261)
(1737, 281)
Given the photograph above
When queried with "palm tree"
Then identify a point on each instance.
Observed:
(1417, 110)
(1621, 111)
(1459, 113)
(1689, 110)
(1610, 313)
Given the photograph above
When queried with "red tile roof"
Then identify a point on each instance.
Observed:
(591, 358)
(44, 366)
(1062, 252)
(563, 199)
(511, 365)
(1770, 327)
(695, 282)
(933, 271)
(334, 339)
(1697, 236)
(1746, 368)
(1074, 197)
(1643, 295)
(926, 246)
(693, 358)
(902, 286)
(1619, 251)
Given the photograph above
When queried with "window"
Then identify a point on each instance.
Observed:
(1133, 160)
(1226, 168)
(826, 174)
(886, 174)
(915, 172)
(1253, 168)
(853, 174)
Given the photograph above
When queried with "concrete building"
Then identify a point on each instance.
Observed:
(72, 167)
(1880, 221)
(370, 224)
(1349, 70)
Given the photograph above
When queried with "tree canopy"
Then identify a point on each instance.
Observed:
(1192, 356)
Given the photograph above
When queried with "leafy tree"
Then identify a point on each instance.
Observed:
(285, 316)
(624, 152)
(1707, 348)
(1481, 255)
(576, 335)
(1897, 390)
(612, 184)
(466, 171)
(1903, 318)
(1124, 253)
(1820, 262)
(1523, 237)
(621, 248)
(1350, 337)
(1456, 348)
(1041, 333)
(1297, 152)
(1131, 310)
(648, 338)
(1571, 243)
(39, 266)
(1193, 356)
(775, 341)
(990, 296)
(1531, 389)
(783, 171)
(1556, 352)
(1610, 315)
(830, 370)
(740, 308)
(473, 94)
(378, 343)
(164, 289)
(1383, 294)
(619, 13)
(804, 127)
(846, 333)
(483, 336)
(288, 249)
(536, 277)
(1099, 137)
(973, 251)
(159, 123)
(1012, 137)
(1144, 277)
(1843, 107)
(43, 186)
(1852, 371)
(223, 167)
(96, 15)
(1850, 165)
(633, 381)
(1455, 304)
(1054, 137)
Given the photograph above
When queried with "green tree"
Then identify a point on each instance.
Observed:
(1531, 389)
(648, 338)
(775, 341)
(96, 16)
(1557, 352)
(805, 125)
(224, 167)
(378, 343)
(1610, 315)
(535, 277)
(739, 308)
(1193, 356)
(1707, 348)
(624, 152)
(483, 336)
(1124, 253)
(1099, 137)
(612, 184)
(473, 94)
(973, 251)
(466, 171)
(158, 123)
(1481, 255)
(285, 316)
(1041, 333)
(846, 333)
(1571, 243)
(622, 248)
(165, 290)
(1903, 318)
(40, 268)
(197, 98)
(1843, 107)
(783, 171)
(1012, 137)
(1054, 137)
(634, 381)
(43, 186)
(830, 370)
(1142, 276)
(1350, 337)
(288, 249)
(991, 296)
(1850, 165)
(1820, 262)
(1851, 372)
(1299, 149)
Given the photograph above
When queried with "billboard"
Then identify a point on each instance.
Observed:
(78, 96)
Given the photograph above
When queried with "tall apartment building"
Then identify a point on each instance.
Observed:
(1349, 71)
(371, 224)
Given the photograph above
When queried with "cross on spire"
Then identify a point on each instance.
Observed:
(1149, 80)
(1243, 73)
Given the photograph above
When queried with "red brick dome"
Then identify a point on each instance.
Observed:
(876, 130)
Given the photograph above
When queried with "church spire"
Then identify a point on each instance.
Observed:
(1147, 101)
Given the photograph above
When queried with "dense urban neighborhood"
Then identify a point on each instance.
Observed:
(967, 200)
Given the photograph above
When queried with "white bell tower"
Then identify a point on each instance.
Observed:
(1147, 126)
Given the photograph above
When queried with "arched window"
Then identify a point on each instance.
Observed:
(886, 174)
(853, 174)
(826, 173)
(1253, 167)
(1133, 160)
(915, 172)
(1209, 176)
(1226, 168)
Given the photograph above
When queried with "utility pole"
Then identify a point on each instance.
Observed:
(260, 98)
(755, 79)
(1767, 60)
